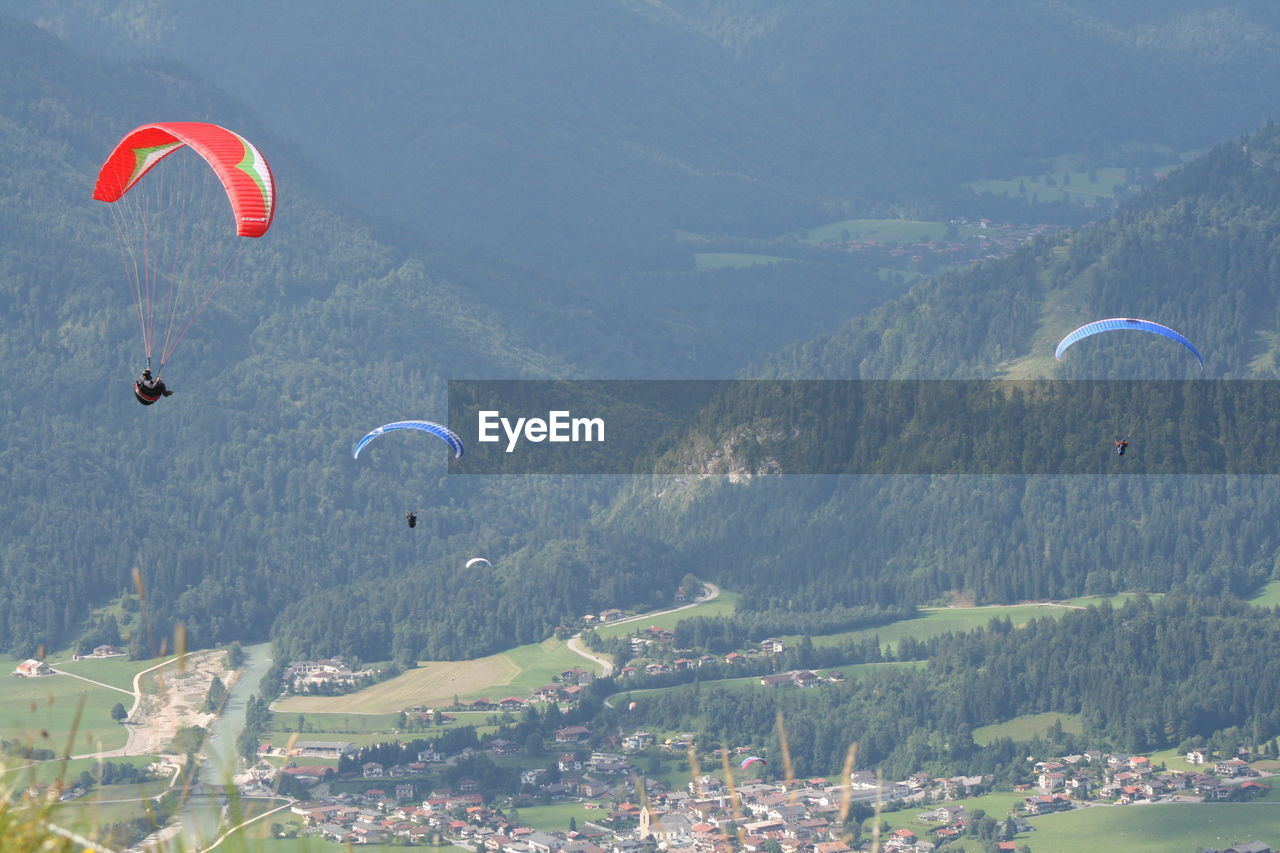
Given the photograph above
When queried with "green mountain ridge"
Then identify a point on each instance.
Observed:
(580, 135)
(237, 494)
(238, 506)
(1199, 251)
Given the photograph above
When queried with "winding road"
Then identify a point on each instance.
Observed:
(574, 643)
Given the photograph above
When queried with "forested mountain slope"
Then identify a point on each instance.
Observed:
(238, 504)
(1200, 251)
(236, 497)
(579, 134)
(238, 494)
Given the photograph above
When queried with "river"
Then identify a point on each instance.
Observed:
(201, 815)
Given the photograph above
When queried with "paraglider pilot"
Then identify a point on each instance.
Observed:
(1121, 445)
(411, 518)
(149, 389)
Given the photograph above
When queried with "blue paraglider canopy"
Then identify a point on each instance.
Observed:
(1117, 324)
(435, 429)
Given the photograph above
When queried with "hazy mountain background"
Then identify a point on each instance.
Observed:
(497, 190)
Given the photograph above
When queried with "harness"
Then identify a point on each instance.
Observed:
(145, 396)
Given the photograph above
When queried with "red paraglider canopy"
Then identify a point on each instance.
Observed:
(175, 246)
(240, 166)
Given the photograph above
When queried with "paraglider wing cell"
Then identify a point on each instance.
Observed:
(442, 432)
(1117, 324)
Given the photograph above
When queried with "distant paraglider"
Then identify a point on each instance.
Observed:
(632, 706)
(442, 432)
(1117, 324)
(475, 561)
(411, 518)
(751, 759)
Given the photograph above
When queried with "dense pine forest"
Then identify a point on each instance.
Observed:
(1199, 250)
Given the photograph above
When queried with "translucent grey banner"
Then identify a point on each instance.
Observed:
(766, 427)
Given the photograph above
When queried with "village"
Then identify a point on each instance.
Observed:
(616, 774)
(709, 815)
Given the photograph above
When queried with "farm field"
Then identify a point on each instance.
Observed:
(118, 672)
(436, 683)
(556, 816)
(1154, 828)
(1027, 726)
(516, 672)
(44, 712)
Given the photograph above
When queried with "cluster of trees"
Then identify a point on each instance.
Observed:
(113, 773)
(216, 697)
(25, 751)
(257, 721)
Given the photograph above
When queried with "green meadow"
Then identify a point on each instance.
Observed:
(934, 621)
(117, 672)
(45, 712)
(1269, 596)
(556, 816)
(538, 663)
(1028, 727)
(1154, 828)
(996, 805)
